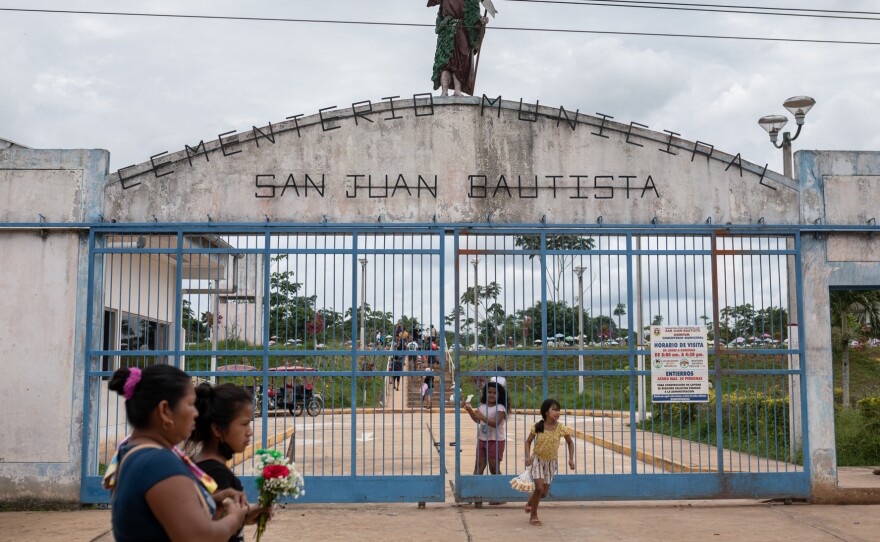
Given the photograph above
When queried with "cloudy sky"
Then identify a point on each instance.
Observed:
(138, 86)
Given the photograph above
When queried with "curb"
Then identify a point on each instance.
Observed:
(248, 452)
(665, 464)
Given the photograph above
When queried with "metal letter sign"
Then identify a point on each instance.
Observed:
(679, 364)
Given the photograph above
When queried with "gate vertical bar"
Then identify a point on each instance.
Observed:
(631, 355)
(442, 348)
(354, 349)
(717, 372)
(544, 375)
(178, 301)
(457, 368)
(801, 355)
(267, 289)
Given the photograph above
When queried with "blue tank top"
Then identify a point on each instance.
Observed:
(131, 516)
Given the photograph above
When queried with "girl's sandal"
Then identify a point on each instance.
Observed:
(535, 522)
(528, 508)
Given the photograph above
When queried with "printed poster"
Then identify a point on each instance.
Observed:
(679, 364)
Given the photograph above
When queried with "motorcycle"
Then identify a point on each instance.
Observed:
(296, 395)
(258, 399)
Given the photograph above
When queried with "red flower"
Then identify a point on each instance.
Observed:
(275, 471)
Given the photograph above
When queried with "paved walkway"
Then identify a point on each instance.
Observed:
(599, 450)
(698, 521)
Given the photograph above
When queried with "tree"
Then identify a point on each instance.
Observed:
(207, 320)
(483, 299)
(190, 323)
(561, 318)
(373, 321)
(290, 314)
(602, 328)
(560, 262)
(710, 327)
(854, 314)
(619, 311)
(772, 321)
(738, 321)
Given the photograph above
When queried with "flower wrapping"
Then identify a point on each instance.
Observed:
(523, 482)
(278, 478)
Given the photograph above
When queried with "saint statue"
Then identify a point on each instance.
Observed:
(459, 31)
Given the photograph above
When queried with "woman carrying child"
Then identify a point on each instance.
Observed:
(546, 435)
(223, 428)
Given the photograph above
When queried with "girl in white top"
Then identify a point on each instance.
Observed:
(491, 419)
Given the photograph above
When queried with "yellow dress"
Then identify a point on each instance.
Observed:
(546, 451)
(547, 443)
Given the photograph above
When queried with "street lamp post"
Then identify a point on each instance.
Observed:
(476, 262)
(363, 314)
(363, 301)
(580, 273)
(798, 106)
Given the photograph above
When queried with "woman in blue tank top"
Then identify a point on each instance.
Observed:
(158, 492)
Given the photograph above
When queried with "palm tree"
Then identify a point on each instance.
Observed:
(850, 310)
(557, 264)
(619, 311)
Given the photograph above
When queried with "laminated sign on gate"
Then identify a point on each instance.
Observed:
(679, 364)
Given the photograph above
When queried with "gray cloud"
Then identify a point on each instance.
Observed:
(138, 86)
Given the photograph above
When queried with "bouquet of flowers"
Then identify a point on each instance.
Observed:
(278, 478)
(523, 482)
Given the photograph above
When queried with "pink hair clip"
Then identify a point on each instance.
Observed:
(134, 376)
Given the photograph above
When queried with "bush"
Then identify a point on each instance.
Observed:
(869, 408)
(758, 422)
(858, 438)
(751, 422)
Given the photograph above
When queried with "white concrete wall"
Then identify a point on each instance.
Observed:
(42, 325)
(838, 188)
(141, 285)
(456, 142)
(243, 320)
(36, 342)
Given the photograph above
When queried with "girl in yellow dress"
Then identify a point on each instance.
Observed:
(546, 435)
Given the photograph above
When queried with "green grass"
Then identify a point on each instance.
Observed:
(864, 373)
(524, 392)
(857, 437)
(858, 440)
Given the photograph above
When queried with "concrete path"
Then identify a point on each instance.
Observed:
(697, 521)
(678, 521)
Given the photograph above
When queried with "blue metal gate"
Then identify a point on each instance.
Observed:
(310, 317)
(305, 318)
(564, 313)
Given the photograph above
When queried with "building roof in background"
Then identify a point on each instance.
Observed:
(8, 144)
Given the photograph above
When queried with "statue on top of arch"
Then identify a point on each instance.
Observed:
(460, 30)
